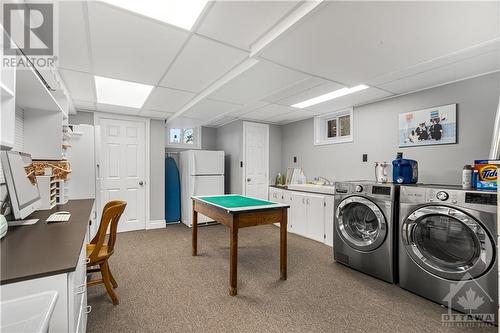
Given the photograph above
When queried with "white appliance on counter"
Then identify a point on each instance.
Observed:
(202, 173)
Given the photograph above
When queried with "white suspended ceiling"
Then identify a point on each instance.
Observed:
(394, 47)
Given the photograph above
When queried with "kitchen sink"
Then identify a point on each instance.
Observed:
(324, 189)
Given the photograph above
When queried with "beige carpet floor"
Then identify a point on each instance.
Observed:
(162, 288)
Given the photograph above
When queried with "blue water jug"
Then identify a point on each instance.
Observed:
(404, 171)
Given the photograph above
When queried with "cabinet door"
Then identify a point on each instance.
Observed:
(275, 195)
(315, 226)
(47, 125)
(329, 216)
(299, 213)
(271, 194)
(287, 199)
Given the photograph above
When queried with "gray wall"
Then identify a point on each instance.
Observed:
(157, 170)
(208, 138)
(230, 139)
(275, 147)
(376, 133)
(81, 118)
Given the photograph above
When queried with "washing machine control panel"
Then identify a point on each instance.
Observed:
(442, 196)
(365, 189)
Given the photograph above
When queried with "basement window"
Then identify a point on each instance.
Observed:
(184, 137)
(335, 127)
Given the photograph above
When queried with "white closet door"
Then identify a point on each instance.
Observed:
(256, 160)
(123, 169)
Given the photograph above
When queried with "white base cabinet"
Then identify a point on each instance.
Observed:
(310, 214)
(315, 223)
(70, 311)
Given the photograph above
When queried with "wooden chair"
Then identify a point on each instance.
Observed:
(98, 252)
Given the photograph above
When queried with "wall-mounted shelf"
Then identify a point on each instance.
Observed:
(31, 93)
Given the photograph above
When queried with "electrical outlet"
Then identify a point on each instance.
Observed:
(365, 157)
(295, 159)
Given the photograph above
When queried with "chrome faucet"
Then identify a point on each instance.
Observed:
(327, 181)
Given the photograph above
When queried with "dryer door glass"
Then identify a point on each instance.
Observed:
(361, 223)
(447, 242)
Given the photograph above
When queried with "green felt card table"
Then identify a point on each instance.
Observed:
(235, 212)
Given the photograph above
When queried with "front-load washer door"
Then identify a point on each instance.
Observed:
(447, 242)
(361, 223)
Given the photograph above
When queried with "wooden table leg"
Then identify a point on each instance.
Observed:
(195, 232)
(283, 245)
(233, 259)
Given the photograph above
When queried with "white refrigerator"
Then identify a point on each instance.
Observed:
(202, 173)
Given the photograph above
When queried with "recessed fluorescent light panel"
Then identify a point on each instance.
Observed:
(181, 13)
(123, 93)
(331, 95)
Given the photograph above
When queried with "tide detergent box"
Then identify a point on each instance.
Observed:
(487, 174)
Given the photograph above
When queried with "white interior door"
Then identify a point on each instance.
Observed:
(256, 160)
(122, 176)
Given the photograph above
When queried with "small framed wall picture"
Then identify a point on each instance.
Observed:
(432, 126)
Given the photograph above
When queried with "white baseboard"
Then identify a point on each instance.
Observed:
(156, 224)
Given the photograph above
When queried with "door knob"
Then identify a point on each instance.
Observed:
(141, 183)
(248, 179)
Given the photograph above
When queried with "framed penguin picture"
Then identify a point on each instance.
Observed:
(432, 126)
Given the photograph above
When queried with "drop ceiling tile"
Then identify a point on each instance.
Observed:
(361, 97)
(200, 63)
(242, 109)
(321, 89)
(219, 121)
(80, 85)
(352, 42)
(294, 89)
(73, 43)
(129, 47)
(208, 109)
(117, 109)
(292, 116)
(481, 64)
(154, 114)
(268, 111)
(462, 55)
(256, 83)
(167, 100)
(241, 23)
